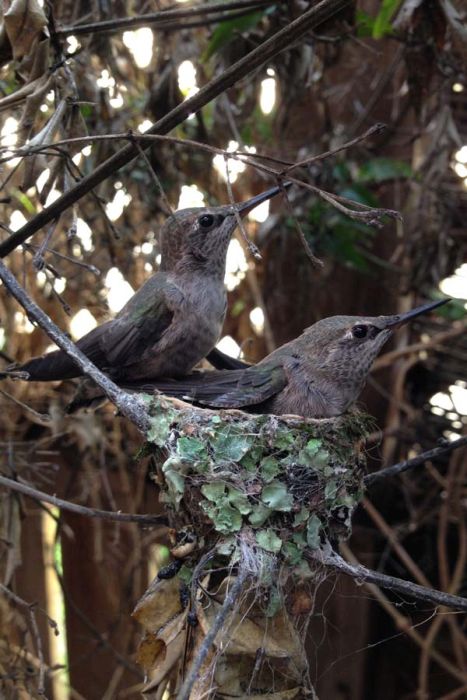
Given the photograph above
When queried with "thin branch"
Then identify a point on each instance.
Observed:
(155, 18)
(130, 406)
(30, 608)
(142, 519)
(229, 601)
(376, 129)
(332, 560)
(415, 461)
(253, 60)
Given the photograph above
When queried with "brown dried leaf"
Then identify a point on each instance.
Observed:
(173, 654)
(24, 21)
(159, 605)
(150, 650)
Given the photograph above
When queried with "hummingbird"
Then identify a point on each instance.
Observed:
(320, 374)
(174, 320)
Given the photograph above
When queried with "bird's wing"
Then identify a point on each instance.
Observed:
(220, 360)
(223, 388)
(141, 323)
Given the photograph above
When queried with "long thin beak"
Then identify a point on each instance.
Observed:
(409, 315)
(244, 207)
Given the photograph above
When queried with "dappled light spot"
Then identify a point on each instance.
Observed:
(8, 133)
(42, 179)
(228, 345)
(456, 285)
(267, 95)
(144, 126)
(17, 219)
(260, 213)
(59, 284)
(118, 289)
(187, 79)
(84, 234)
(461, 155)
(257, 320)
(22, 323)
(190, 196)
(236, 265)
(140, 43)
(114, 209)
(457, 87)
(233, 166)
(52, 196)
(73, 44)
(81, 323)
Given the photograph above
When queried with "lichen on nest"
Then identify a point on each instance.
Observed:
(286, 481)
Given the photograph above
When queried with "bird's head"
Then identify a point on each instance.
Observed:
(344, 347)
(198, 238)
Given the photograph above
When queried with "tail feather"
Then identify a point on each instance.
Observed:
(55, 365)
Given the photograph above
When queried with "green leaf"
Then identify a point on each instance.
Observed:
(224, 518)
(292, 553)
(330, 489)
(214, 491)
(239, 500)
(274, 603)
(227, 31)
(175, 484)
(382, 169)
(230, 446)
(259, 515)
(24, 200)
(191, 449)
(159, 427)
(276, 496)
(301, 516)
(312, 531)
(269, 468)
(382, 24)
(268, 540)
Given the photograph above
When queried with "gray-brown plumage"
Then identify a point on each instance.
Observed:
(320, 374)
(175, 319)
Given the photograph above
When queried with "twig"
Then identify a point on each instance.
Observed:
(162, 17)
(30, 607)
(332, 560)
(376, 129)
(403, 623)
(436, 340)
(130, 406)
(229, 601)
(415, 461)
(143, 519)
(253, 60)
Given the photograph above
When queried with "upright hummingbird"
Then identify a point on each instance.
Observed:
(174, 320)
(320, 374)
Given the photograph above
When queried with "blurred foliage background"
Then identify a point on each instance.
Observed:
(398, 62)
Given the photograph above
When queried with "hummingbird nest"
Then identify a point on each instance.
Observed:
(246, 496)
(286, 481)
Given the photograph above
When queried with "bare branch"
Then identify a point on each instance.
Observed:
(253, 60)
(162, 18)
(415, 461)
(130, 406)
(332, 560)
(37, 495)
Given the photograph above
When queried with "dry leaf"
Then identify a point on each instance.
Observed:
(159, 605)
(149, 651)
(24, 21)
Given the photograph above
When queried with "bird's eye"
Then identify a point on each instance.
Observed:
(360, 331)
(206, 221)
